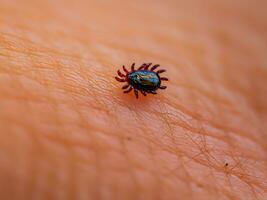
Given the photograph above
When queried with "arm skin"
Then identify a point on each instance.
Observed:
(68, 132)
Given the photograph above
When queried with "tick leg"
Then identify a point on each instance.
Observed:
(120, 74)
(119, 79)
(126, 71)
(136, 93)
(154, 67)
(143, 93)
(164, 79)
(125, 86)
(153, 92)
(163, 87)
(147, 66)
(129, 90)
(132, 67)
(142, 66)
(161, 71)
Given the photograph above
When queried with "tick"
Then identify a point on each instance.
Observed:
(143, 79)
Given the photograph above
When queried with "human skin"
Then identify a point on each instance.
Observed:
(68, 132)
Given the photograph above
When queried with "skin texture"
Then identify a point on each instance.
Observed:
(68, 132)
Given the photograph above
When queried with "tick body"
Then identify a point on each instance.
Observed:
(142, 80)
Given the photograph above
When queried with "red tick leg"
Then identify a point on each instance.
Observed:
(136, 93)
(161, 71)
(125, 86)
(143, 93)
(142, 66)
(164, 79)
(154, 67)
(119, 79)
(124, 69)
(147, 66)
(132, 67)
(120, 74)
(129, 90)
(163, 87)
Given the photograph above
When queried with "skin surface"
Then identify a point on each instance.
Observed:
(68, 132)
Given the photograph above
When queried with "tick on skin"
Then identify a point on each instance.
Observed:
(143, 79)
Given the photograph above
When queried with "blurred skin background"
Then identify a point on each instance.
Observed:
(68, 132)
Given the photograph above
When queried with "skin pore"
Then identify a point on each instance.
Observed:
(67, 131)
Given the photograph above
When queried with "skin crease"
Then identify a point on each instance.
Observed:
(68, 132)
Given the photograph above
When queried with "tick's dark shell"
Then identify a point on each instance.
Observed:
(144, 80)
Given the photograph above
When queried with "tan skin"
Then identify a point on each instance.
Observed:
(68, 132)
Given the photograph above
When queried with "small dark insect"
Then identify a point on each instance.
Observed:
(143, 79)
